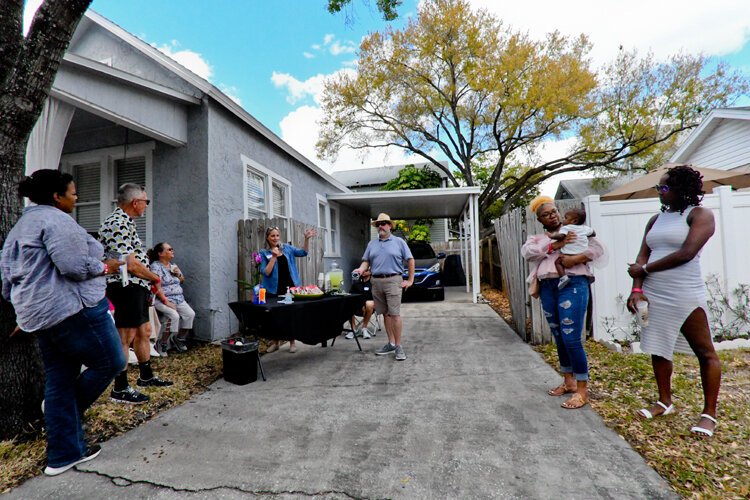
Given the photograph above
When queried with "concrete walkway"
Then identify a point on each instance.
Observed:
(465, 416)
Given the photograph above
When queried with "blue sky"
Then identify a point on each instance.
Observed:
(247, 41)
(272, 56)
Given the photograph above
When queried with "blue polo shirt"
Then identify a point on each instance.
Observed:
(387, 256)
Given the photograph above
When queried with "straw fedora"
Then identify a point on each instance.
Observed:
(383, 218)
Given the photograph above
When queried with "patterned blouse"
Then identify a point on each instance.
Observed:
(170, 284)
(119, 236)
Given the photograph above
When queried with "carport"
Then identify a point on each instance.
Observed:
(460, 203)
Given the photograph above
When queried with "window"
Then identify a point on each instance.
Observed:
(131, 170)
(267, 194)
(328, 221)
(255, 192)
(88, 186)
(98, 174)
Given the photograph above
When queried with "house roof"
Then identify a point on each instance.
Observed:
(377, 176)
(578, 189)
(410, 204)
(708, 125)
(207, 89)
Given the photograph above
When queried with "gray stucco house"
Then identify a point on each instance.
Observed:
(122, 111)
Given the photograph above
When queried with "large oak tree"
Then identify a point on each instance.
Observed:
(28, 65)
(457, 83)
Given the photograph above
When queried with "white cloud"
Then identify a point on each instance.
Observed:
(665, 27)
(299, 90)
(231, 92)
(188, 58)
(334, 46)
(300, 130)
(29, 9)
(338, 48)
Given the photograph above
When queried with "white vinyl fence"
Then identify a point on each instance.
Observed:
(620, 226)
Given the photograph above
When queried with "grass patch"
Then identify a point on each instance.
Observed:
(695, 467)
(192, 372)
(623, 383)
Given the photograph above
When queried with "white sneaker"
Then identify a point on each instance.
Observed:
(366, 334)
(349, 335)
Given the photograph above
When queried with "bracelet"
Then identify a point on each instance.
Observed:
(157, 281)
(636, 290)
(644, 268)
(550, 249)
(106, 269)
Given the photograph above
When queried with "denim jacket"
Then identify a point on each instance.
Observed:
(270, 283)
(51, 268)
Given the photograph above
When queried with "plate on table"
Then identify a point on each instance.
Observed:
(305, 296)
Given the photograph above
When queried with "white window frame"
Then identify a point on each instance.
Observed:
(106, 158)
(269, 178)
(331, 246)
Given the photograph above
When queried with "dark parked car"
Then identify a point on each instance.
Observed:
(428, 278)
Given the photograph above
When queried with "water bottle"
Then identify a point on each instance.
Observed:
(288, 296)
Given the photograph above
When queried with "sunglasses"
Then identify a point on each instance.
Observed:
(662, 188)
(381, 224)
(148, 202)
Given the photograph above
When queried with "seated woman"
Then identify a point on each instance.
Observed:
(279, 269)
(363, 286)
(170, 300)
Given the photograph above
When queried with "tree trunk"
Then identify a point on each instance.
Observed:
(29, 66)
(21, 369)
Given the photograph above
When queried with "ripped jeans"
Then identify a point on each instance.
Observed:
(565, 311)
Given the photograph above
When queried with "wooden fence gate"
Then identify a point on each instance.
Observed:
(251, 238)
(511, 230)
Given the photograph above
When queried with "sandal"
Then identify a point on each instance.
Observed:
(576, 401)
(645, 413)
(560, 390)
(702, 430)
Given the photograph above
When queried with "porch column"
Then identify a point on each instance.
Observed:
(474, 246)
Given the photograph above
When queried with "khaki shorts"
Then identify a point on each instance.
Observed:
(387, 295)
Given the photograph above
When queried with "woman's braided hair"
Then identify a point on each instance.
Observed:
(687, 184)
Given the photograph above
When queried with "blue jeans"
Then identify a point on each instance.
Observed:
(89, 338)
(565, 311)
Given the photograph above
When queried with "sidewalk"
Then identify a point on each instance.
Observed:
(465, 416)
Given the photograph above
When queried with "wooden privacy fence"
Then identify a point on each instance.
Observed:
(511, 230)
(251, 238)
(489, 262)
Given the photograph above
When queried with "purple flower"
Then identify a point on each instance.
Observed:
(256, 257)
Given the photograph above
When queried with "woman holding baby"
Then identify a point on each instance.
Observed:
(564, 306)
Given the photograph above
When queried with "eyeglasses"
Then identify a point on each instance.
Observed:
(662, 188)
(148, 202)
(381, 224)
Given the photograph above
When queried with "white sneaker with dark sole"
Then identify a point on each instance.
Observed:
(91, 453)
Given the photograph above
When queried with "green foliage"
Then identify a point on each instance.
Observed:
(419, 232)
(388, 8)
(411, 177)
(458, 80)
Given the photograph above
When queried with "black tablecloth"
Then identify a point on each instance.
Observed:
(311, 321)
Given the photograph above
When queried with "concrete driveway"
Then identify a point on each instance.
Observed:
(465, 416)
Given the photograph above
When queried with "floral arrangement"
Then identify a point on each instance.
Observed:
(256, 268)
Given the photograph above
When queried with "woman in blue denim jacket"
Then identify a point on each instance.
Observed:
(279, 269)
(53, 274)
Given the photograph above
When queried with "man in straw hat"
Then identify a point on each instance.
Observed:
(385, 258)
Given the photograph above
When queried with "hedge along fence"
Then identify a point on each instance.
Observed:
(251, 238)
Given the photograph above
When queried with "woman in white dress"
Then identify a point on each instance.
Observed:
(667, 274)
